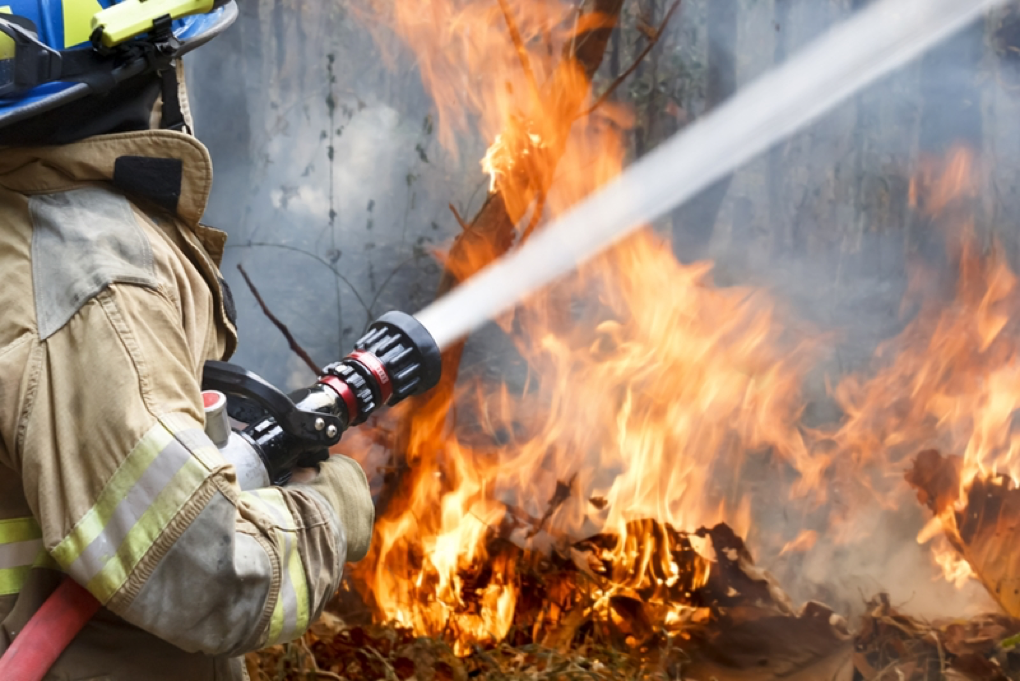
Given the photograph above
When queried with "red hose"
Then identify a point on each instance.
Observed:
(48, 633)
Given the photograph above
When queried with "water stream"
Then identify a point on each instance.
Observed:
(868, 45)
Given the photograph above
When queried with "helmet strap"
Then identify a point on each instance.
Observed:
(172, 115)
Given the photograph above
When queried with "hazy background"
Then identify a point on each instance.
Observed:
(334, 189)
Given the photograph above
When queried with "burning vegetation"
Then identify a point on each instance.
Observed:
(592, 518)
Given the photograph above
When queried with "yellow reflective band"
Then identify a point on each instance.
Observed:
(147, 491)
(296, 571)
(6, 9)
(12, 579)
(204, 450)
(130, 18)
(19, 535)
(148, 528)
(19, 529)
(291, 615)
(78, 20)
(92, 523)
(7, 46)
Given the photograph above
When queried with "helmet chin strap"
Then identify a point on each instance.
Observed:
(172, 114)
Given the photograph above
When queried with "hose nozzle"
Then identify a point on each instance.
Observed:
(395, 359)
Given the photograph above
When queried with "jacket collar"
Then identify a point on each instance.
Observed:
(57, 168)
(37, 170)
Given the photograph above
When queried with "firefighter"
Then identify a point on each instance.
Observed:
(111, 300)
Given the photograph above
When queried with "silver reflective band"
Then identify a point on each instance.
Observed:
(19, 554)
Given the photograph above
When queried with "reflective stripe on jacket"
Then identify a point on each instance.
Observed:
(111, 304)
(21, 548)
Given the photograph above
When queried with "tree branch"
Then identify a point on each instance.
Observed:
(522, 52)
(460, 221)
(294, 345)
(633, 67)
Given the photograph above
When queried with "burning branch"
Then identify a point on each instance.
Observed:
(488, 236)
(522, 52)
(564, 490)
(982, 522)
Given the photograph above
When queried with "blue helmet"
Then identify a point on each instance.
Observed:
(66, 27)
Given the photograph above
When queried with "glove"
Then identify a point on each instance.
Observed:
(344, 486)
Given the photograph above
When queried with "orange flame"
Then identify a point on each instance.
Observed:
(951, 380)
(647, 388)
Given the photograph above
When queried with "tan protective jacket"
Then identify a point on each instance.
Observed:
(107, 313)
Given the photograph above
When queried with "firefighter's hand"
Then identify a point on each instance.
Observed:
(344, 485)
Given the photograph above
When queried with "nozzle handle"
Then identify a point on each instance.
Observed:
(309, 426)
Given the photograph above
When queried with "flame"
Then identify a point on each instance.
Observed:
(951, 380)
(647, 388)
(955, 569)
(804, 541)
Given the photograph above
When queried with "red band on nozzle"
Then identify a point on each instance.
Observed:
(345, 393)
(382, 379)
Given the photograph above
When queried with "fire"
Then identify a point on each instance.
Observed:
(950, 380)
(955, 569)
(804, 541)
(648, 389)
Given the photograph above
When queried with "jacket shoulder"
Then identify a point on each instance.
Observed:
(83, 240)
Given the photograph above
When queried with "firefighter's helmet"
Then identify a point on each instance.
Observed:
(55, 51)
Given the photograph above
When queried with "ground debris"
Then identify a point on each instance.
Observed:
(706, 611)
(586, 612)
(891, 645)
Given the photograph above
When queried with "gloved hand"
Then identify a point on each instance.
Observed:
(345, 487)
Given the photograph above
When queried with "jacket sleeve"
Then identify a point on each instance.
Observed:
(136, 503)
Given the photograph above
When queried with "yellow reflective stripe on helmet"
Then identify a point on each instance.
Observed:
(130, 18)
(20, 549)
(78, 20)
(151, 486)
(291, 615)
(7, 45)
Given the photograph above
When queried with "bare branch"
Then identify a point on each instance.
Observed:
(294, 345)
(633, 67)
(460, 221)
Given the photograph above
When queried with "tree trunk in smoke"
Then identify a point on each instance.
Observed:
(486, 237)
(779, 217)
(862, 148)
(694, 223)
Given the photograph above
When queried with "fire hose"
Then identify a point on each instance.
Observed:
(395, 359)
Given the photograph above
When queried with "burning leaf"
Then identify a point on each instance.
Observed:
(983, 525)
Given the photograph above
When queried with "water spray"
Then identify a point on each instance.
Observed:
(870, 44)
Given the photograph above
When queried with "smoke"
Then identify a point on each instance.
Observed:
(334, 192)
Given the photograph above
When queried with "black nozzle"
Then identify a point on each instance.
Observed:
(395, 359)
